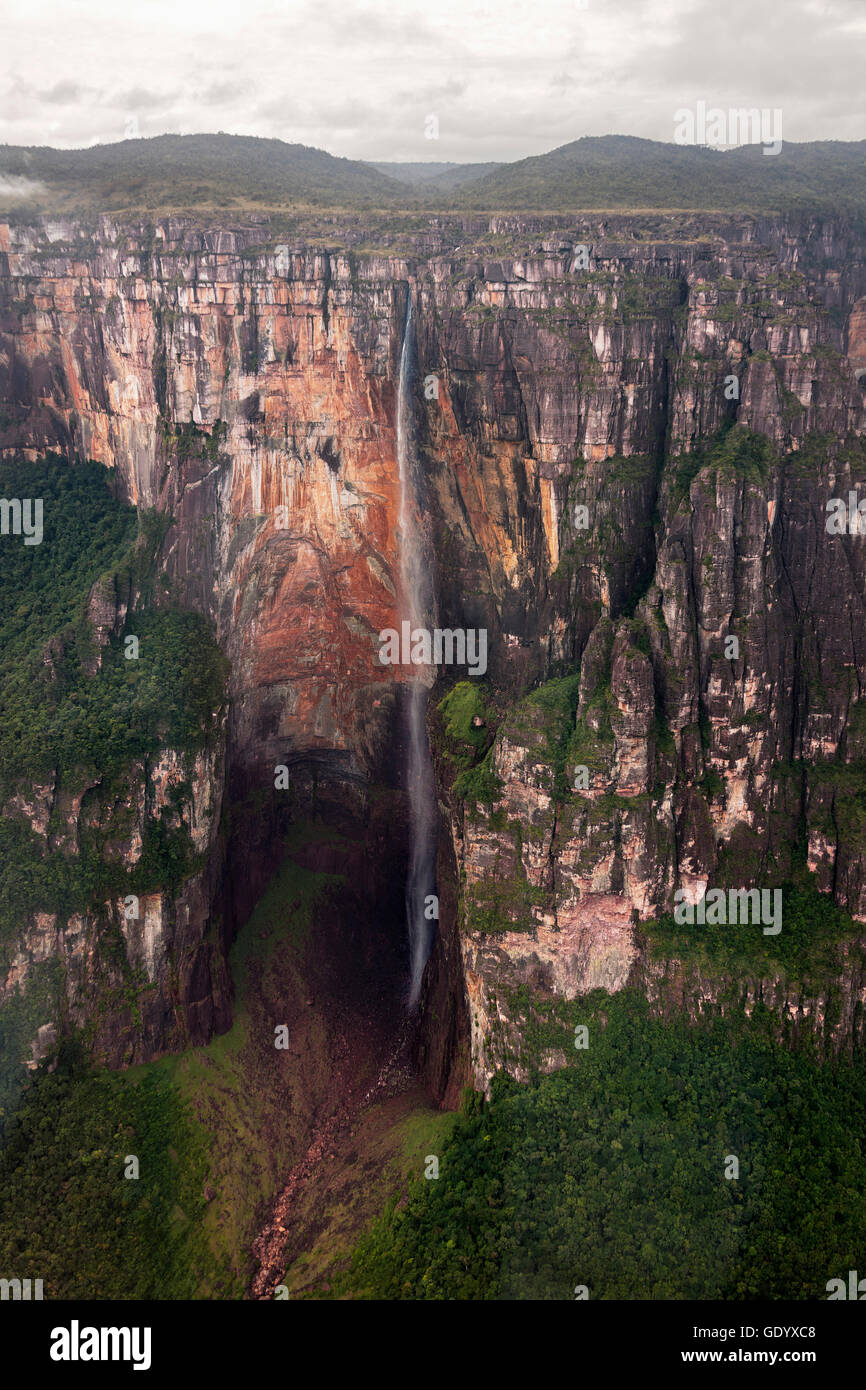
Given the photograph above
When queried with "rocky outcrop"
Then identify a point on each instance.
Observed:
(830, 1012)
(142, 973)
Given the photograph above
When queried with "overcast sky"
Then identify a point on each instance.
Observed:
(504, 80)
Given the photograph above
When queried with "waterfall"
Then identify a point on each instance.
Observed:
(417, 606)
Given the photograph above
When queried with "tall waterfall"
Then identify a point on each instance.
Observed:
(417, 607)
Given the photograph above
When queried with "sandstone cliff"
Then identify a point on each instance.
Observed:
(583, 506)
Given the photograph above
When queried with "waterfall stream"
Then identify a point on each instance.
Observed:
(417, 607)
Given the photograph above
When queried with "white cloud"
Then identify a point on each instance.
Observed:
(360, 79)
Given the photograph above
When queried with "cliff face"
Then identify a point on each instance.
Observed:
(140, 973)
(571, 373)
(251, 396)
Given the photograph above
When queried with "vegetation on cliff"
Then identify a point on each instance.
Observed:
(57, 714)
(467, 718)
(806, 948)
(78, 717)
(735, 452)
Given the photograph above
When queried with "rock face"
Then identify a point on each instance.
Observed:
(167, 986)
(588, 946)
(585, 507)
(833, 1012)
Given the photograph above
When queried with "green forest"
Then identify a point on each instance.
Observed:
(610, 1174)
(68, 1208)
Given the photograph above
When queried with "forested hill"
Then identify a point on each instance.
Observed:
(237, 172)
(621, 171)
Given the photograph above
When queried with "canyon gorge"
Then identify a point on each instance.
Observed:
(623, 431)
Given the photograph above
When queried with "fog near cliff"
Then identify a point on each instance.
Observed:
(12, 186)
(501, 81)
